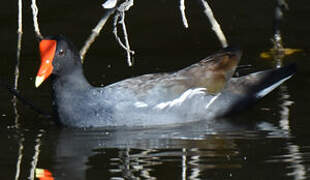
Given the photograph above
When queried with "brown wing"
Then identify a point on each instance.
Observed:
(211, 73)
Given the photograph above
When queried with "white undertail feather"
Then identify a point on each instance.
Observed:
(265, 91)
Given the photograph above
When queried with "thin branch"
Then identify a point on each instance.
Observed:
(118, 39)
(182, 9)
(35, 19)
(19, 40)
(121, 15)
(20, 17)
(215, 25)
(18, 52)
(110, 5)
(125, 6)
(124, 46)
(16, 73)
(95, 32)
(126, 41)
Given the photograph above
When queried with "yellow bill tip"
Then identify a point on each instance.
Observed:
(39, 81)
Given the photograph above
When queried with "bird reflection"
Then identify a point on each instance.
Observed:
(128, 154)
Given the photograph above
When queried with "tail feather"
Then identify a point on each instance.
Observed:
(254, 86)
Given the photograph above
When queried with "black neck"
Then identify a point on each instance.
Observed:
(73, 80)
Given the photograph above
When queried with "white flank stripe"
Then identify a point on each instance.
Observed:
(212, 100)
(140, 104)
(178, 101)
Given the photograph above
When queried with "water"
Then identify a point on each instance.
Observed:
(268, 141)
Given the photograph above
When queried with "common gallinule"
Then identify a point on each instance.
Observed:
(201, 91)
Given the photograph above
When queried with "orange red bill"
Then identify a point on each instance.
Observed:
(47, 53)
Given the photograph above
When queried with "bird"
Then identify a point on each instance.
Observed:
(200, 92)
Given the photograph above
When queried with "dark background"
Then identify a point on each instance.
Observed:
(161, 43)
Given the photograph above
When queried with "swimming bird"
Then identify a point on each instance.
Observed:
(202, 91)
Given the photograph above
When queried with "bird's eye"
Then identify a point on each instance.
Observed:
(61, 52)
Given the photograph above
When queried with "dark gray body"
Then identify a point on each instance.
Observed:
(201, 91)
(129, 103)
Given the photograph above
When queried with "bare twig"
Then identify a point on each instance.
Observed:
(125, 6)
(121, 15)
(116, 20)
(119, 18)
(18, 51)
(19, 40)
(20, 17)
(14, 100)
(95, 33)
(182, 9)
(16, 73)
(215, 25)
(126, 41)
(35, 19)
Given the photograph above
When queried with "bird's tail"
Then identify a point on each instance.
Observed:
(254, 86)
